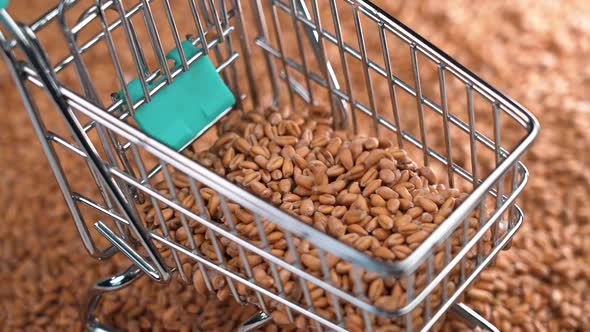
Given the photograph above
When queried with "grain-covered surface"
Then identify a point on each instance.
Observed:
(364, 191)
(537, 51)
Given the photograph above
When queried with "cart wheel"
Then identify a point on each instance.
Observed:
(111, 284)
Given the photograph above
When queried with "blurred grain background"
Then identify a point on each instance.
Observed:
(536, 51)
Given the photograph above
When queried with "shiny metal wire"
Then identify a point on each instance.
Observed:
(235, 34)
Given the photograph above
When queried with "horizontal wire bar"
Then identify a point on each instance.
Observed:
(62, 141)
(88, 201)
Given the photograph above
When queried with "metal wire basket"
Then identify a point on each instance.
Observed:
(124, 162)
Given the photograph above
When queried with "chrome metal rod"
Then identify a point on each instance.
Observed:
(111, 284)
(471, 317)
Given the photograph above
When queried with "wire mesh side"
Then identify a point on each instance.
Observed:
(257, 251)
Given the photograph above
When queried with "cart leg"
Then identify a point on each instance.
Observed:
(471, 317)
(259, 319)
(111, 284)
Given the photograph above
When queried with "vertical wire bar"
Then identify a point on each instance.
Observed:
(79, 66)
(234, 84)
(107, 199)
(365, 61)
(360, 293)
(273, 267)
(155, 203)
(112, 139)
(500, 188)
(136, 52)
(429, 273)
(183, 221)
(220, 256)
(155, 39)
(472, 136)
(482, 220)
(324, 66)
(198, 25)
(410, 297)
(297, 264)
(246, 52)
(474, 165)
(137, 47)
(464, 243)
(115, 56)
(279, 39)
(216, 20)
(391, 85)
(270, 65)
(447, 258)
(208, 19)
(107, 146)
(511, 209)
(511, 213)
(446, 131)
(220, 38)
(175, 34)
(224, 17)
(344, 63)
(328, 278)
(199, 200)
(314, 35)
(241, 253)
(419, 103)
(302, 51)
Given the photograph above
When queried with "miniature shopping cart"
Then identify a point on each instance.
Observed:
(144, 68)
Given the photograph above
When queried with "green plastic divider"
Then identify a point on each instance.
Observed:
(181, 110)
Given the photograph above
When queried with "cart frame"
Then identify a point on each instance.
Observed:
(116, 158)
